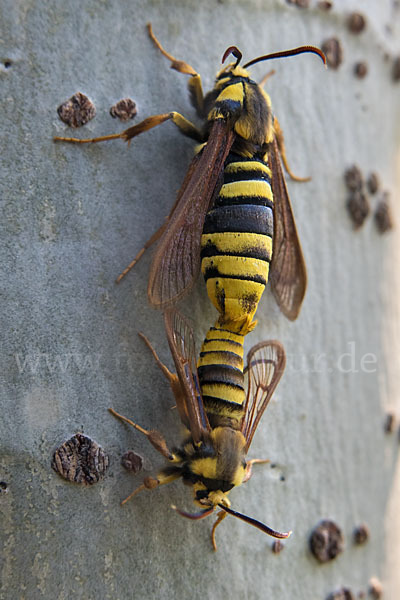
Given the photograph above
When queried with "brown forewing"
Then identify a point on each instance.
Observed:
(288, 275)
(176, 262)
(265, 365)
(189, 403)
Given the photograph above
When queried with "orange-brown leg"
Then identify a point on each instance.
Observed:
(195, 86)
(281, 145)
(249, 466)
(170, 376)
(221, 516)
(150, 483)
(155, 437)
(183, 124)
(147, 245)
(266, 77)
(173, 381)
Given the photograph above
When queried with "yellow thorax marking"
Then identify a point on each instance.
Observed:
(232, 92)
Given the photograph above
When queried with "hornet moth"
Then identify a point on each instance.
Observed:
(232, 216)
(212, 458)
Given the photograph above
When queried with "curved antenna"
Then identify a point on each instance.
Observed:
(193, 516)
(293, 52)
(255, 523)
(236, 53)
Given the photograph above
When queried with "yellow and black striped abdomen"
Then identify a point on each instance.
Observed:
(220, 370)
(237, 241)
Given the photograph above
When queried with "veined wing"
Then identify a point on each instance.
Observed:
(288, 275)
(176, 262)
(190, 402)
(265, 365)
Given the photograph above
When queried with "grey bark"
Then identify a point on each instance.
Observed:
(73, 218)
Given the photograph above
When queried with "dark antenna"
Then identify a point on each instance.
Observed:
(193, 516)
(234, 513)
(284, 53)
(255, 523)
(236, 53)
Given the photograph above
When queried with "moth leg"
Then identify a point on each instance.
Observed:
(183, 124)
(147, 245)
(155, 437)
(194, 84)
(170, 376)
(149, 483)
(221, 516)
(266, 77)
(249, 467)
(173, 381)
(282, 150)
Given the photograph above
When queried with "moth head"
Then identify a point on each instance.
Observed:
(241, 71)
(220, 467)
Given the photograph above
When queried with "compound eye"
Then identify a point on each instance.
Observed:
(201, 494)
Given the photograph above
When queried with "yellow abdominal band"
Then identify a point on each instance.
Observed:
(220, 369)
